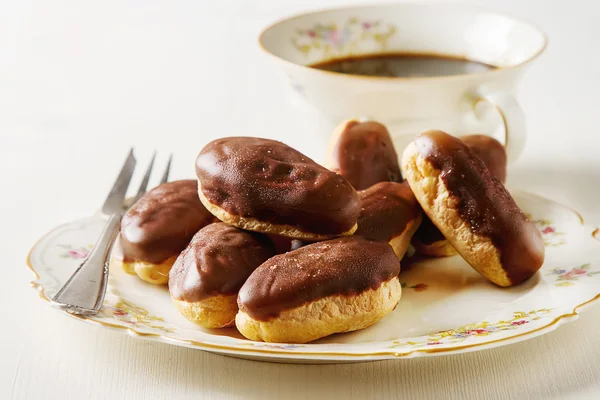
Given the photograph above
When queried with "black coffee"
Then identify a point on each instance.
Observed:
(403, 65)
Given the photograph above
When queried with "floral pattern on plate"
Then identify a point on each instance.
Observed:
(569, 277)
(552, 237)
(133, 316)
(483, 328)
(75, 252)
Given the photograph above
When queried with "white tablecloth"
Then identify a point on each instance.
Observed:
(81, 81)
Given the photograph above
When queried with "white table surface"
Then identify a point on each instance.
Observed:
(81, 81)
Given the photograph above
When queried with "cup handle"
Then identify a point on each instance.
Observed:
(515, 129)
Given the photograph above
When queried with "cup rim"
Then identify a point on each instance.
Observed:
(390, 79)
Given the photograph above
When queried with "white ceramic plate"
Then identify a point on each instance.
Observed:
(446, 307)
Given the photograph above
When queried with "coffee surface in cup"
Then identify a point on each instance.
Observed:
(404, 65)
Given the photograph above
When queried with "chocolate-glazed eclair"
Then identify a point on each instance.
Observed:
(389, 212)
(472, 209)
(363, 153)
(490, 151)
(266, 186)
(339, 285)
(207, 275)
(159, 226)
(428, 239)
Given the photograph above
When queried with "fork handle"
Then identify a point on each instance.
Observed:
(84, 292)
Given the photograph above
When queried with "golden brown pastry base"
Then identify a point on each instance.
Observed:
(213, 312)
(440, 206)
(329, 315)
(400, 243)
(157, 274)
(440, 248)
(253, 224)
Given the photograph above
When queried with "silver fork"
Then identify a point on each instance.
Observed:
(84, 292)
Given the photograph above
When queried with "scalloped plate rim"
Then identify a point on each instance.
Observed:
(282, 355)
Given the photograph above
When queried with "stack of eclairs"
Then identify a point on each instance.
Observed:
(287, 250)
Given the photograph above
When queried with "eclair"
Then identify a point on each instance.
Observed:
(207, 275)
(363, 153)
(428, 240)
(389, 212)
(472, 209)
(490, 151)
(323, 288)
(266, 186)
(158, 227)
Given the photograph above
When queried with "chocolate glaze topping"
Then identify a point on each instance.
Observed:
(270, 181)
(484, 203)
(217, 261)
(493, 155)
(490, 151)
(364, 154)
(387, 208)
(344, 266)
(162, 222)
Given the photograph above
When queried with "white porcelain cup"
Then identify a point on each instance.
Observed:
(457, 104)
